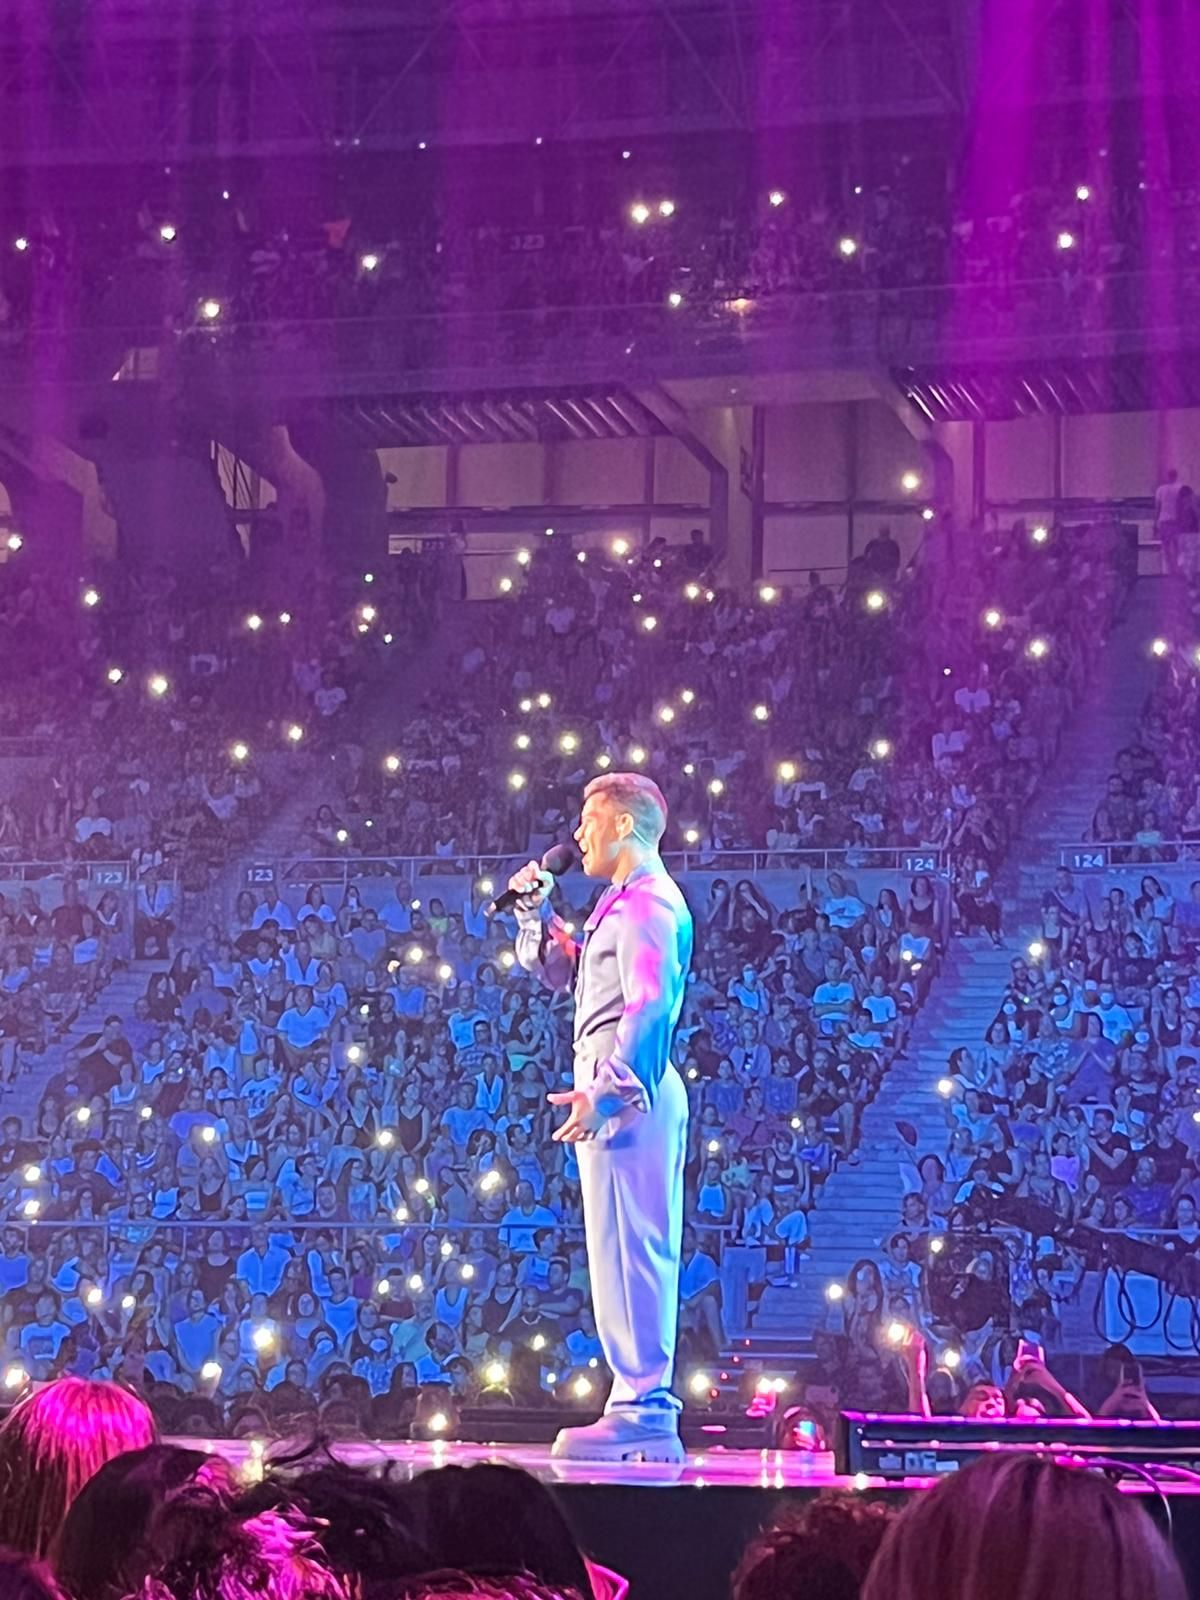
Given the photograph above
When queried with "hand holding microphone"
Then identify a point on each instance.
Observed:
(531, 887)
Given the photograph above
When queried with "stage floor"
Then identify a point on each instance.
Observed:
(756, 1470)
(702, 1514)
(717, 1468)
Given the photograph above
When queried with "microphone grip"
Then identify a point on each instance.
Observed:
(508, 899)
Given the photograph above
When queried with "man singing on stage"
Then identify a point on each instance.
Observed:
(628, 1109)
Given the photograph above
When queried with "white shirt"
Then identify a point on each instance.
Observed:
(1166, 502)
(88, 827)
(280, 912)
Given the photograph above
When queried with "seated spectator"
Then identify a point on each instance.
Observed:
(1023, 1525)
(823, 1551)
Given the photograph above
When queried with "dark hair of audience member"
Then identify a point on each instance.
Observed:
(98, 1554)
(470, 1586)
(1022, 1527)
(823, 1551)
(497, 1519)
(367, 1524)
(50, 1446)
(23, 1578)
(197, 1548)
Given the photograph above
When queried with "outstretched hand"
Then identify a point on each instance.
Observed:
(584, 1121)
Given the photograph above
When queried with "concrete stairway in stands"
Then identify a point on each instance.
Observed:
(860, 1204)
(383, 711)
(118, 996)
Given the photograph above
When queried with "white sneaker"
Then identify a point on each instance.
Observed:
(623, 1436)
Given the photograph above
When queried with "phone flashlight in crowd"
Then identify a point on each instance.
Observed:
(699, 1383)
(897, 1332)
(951, 1359)
(945, 1087)
(834, 1292)
(495, 1374)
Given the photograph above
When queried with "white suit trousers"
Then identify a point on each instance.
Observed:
(631, 1179)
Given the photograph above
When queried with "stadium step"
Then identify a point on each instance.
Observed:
(859, 1205)
(126, 986)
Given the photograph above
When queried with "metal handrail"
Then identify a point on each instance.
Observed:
(1094, 855)
(335, 869)
(742, 308)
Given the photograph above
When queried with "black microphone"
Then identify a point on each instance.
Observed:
(558, 859)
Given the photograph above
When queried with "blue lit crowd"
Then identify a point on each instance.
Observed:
(309, 1152)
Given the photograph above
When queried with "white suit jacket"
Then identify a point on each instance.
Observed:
(629, 975)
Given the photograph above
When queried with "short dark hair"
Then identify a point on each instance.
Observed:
(823, 1551)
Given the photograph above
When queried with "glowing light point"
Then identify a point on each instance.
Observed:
(992, 617)
(945, 1087)
(1159, 648)
(910, 482)
(786, 771)
(1040, 533)
(294, 733)
(876, 600)
(881, 749)
(776, 197)
(1038, 648)
(210, 309)
(716, 787)
(1066, 240)
(768, 593)
(158, 685)
(239, 750)
(847, 248)
(834, 1292)
(639, 213)
(674, 299)
(516, 780)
